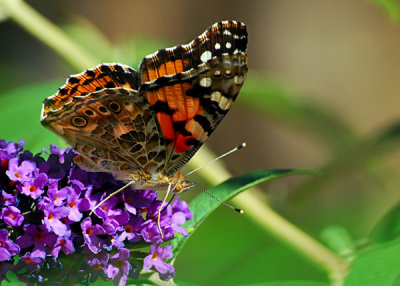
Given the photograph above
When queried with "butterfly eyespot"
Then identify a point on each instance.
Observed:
(102, 109)
(114, 107)
(89, 112)
(79, 121)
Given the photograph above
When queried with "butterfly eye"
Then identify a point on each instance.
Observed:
(114, 107)
(79, 121)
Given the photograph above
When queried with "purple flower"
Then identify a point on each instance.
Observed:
(12, 216)
(119, 267)
(138, 200)
(76, 205)
(7, 247)
(63, 244)
(155, 259)
(20, 173)
(182, 206)
(57, 196)
(178, 219)
(98, 263)
(151, 233)
(34, 188)
(115, 223)
(90, 233)
(29, 261)
(132, 229)
(7, 199)
(39, 238)
(52, 219)
(108, 207)
(8, 150)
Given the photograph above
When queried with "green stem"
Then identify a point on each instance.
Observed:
(48, 33)
(273, 223)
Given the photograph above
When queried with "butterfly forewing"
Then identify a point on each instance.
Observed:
(191, 87)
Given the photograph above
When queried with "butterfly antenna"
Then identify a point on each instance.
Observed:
(159, 211)
(110, 196)
(219, 157)
(218, 200)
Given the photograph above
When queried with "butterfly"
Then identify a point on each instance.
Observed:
(143, 126)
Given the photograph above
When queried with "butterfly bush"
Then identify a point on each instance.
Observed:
(47, 232)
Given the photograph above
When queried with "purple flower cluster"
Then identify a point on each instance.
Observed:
(44, 218)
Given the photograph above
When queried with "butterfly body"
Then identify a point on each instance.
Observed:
(143, 126)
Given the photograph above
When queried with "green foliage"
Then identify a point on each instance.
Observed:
(377, 265)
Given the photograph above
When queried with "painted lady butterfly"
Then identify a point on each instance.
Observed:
(143, 126)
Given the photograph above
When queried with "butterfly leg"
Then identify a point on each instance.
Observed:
(159, 211)
(110, 196)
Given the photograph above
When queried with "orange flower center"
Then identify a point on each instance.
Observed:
(39, 236)
(155, 255)
(32, 188)
(51, 216)
(89, 231)
(128, 229)
(11, 216)
(71, 204)
(28, 260)
(17, 175)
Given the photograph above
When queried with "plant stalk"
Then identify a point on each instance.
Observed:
(48, 33)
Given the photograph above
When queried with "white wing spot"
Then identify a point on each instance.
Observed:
(215, 96)
(205, 82)
(228, 72)
(217, 46)
(228, 45)
(217, 73)
(225, 103)
(228, 33)
(238, 79)
(206, 56)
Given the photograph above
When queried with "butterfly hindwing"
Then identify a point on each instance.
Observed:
(113, 129)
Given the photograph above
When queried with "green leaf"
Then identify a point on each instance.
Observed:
(339, 240)
(388, 227)
(203, 205)
(378, 265)
(20, 116)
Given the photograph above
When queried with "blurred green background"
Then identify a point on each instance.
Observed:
(322, 92)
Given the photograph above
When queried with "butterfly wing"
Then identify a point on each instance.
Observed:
(190, 88)
(100, 114)
(153, 121)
